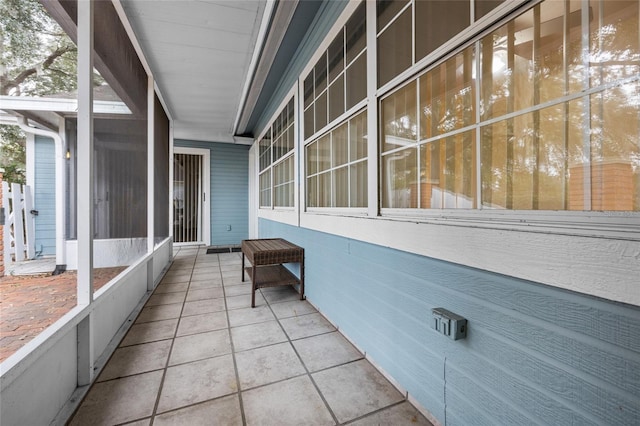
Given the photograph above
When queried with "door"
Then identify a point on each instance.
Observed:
(191, 196)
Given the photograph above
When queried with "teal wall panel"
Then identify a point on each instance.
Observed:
(229, 167)
(44, 199)
(534, 354)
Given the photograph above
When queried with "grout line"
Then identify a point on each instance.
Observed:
(233, 353)
(308, 374)
(166, 365)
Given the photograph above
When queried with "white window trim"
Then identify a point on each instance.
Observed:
(594, 253)
(288, 215)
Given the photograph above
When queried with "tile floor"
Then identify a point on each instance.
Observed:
(198, 354)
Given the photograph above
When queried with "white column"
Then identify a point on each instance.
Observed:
(150, 180)
(372, 112)
(85, 188)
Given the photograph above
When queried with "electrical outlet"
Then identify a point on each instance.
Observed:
(449, 324)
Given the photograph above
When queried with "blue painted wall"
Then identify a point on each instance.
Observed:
(533, 355)
(229, 190)
(44, 199)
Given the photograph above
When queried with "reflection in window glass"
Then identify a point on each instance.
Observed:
(265, 189)
(386, 10)
(357, 81)
(447, 98)
(356, 29)
(400, 179)
(614, 44)
(336, 56)
(399, 122)
(544, 144)
(395, 48)
(447, 173)
(337, 166)
(482, 7)
(275, 151)
(345, 76)
(432, 31)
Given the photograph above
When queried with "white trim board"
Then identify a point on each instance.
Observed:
(601, 267)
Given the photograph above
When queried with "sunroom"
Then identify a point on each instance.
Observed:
(464, 178)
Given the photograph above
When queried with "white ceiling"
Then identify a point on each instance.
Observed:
(200, 54)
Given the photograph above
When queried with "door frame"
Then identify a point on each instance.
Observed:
(205, 196)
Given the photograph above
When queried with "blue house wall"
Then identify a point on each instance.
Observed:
(229, 167)
(44, 199)
(533, 354)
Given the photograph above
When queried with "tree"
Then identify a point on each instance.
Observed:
(36, 58)
(12, 154)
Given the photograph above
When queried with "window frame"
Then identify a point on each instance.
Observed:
(291, 98)
(619, 225)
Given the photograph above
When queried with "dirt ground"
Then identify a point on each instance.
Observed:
(31, 303)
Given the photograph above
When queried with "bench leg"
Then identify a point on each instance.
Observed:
(253, 287)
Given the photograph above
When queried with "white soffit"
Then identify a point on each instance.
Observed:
(199, 53)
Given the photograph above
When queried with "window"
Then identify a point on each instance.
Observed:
(551, 121)
(337, 166)
(275, 159)
(408, 31)
(338, 81)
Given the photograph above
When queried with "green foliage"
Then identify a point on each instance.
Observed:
(37, 57)
(12, 154)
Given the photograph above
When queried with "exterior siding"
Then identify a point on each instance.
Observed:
(44, 199)
(229, 190)
(534, 354)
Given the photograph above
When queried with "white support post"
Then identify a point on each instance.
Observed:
(85, 188)
(372, 113)
(6, 231)
(150, 180)
(29, 223)
(18, 225)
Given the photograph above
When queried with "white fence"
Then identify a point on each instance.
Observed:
(19, 227)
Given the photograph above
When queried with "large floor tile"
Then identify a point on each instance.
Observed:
(326, 350)
(280, 294)
(203, 307)
(109, 403)
(159, 312)
(150, 332)
(306, 325)
(197, 381)
(267, 365)
(355, 389)
(400, 415)
(200, 346)
(236, 290)
(293, 308)
(204, 293)
(199, 285)
(256, 335)
(223, 411)
(166, 298)
(244, 301)
(136, 359)
(201, 323)
(171, 288)
(291, 402)
(238, 317)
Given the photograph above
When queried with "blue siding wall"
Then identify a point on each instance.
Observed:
(229, 190)
(44, 199)
(533, 354)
